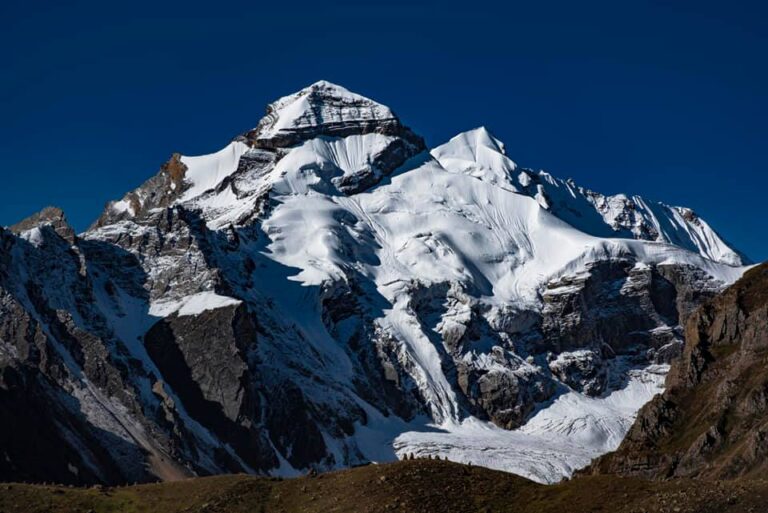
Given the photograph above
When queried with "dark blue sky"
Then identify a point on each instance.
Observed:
(664, 99)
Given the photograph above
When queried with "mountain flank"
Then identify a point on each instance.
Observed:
(712, 420)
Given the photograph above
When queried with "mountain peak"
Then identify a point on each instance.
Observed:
(482, 137)
(478, 153)
(326, 85)
(49, 216)
(322, 108)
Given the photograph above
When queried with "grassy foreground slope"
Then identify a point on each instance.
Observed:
(408, 486)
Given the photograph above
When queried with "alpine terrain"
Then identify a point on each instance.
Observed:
(325, 291)
(712, 421)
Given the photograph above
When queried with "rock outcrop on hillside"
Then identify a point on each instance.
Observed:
(712, 421)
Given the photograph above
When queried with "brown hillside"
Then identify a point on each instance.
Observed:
(712, 421)
(409, 486)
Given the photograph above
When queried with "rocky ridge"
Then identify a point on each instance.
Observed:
(711, 421)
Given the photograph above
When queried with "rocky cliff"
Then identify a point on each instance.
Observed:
(712, 421)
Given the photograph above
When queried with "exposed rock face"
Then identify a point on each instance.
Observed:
(580, 370)
(212, 379)
(66, 378)
(312, 290)
(615, 310)
(325, 109)
(158, 192)
(52, 217)
(45, 439)
(712, 420)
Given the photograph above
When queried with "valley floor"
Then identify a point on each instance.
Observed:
(406, 486)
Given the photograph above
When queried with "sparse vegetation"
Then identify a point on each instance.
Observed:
(407, 486)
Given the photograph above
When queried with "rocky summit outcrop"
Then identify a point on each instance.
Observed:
(48, 218)
(712, 421)
(322, 287)
(325, 109)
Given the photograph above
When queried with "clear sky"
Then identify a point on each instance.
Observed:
(668, 100)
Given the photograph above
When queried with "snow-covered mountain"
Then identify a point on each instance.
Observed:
(480, 154)
(325, 291)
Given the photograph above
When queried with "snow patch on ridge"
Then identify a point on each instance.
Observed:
(123, 206)
(192, 305)
(205, 172)
(33, 236)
